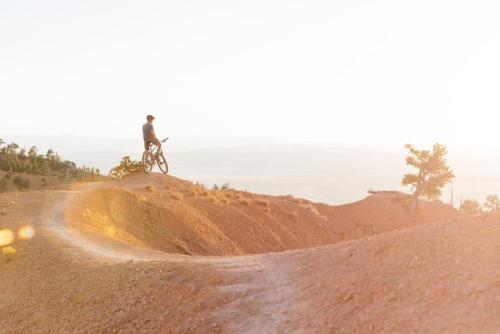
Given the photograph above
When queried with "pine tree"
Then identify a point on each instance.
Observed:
(433, 173)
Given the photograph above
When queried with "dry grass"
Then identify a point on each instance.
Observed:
(262, 202)
(218, 196)
(177, 196)
(244, 201)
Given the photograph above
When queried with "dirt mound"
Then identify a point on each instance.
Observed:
(435, 278)
(172, 215)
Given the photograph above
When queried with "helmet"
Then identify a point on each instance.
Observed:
(150, 117)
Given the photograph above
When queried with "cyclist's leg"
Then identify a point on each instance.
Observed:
(158, 144)
(147, 145)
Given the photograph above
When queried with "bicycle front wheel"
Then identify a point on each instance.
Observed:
(162, 163)
(147, 162)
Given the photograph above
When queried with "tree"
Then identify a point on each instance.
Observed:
(17, 160)
(470, 207)
(433, 173)
(492, 203)
(126, 167)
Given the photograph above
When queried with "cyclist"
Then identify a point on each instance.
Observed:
(148, 134)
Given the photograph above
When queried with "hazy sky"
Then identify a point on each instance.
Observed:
(360, 72)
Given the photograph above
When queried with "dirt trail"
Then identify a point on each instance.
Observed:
(430, 278)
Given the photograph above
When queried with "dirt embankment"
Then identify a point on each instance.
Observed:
(433, 278)
(168, 214)
(10, 182)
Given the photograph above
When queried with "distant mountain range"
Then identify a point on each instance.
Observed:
(321, 172)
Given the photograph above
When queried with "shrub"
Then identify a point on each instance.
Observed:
(176, 196)
(262, 202)
(127, 166)
(492, 203)
(470, 207)
(245, 201)
(21, 183)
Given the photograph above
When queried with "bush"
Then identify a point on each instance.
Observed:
(127, 166)
(21, 183)
(176, 196)
(470, 207)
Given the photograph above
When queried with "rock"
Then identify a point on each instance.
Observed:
(349, 296)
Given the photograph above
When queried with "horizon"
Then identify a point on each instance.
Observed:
(418, 75)
(341, 179)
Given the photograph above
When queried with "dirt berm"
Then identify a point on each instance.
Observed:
(172, 215)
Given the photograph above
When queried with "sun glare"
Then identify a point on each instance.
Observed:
(6, 237)
(26, 232)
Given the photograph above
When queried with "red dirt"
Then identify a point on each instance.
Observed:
(434, 278)
(172, 215)
(438, 277)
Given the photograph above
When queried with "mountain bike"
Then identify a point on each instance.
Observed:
(152, 156)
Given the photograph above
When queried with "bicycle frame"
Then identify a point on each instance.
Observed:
(155, 149)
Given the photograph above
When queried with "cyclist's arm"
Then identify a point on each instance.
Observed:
(153, 134)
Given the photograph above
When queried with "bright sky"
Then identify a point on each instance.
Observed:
(359, 72)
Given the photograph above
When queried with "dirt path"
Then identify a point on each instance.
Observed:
(66, 280)
(265, 288)
(59, 282)
(435, 278)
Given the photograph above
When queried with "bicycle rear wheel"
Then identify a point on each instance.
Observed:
(162, 163)
(147, 161)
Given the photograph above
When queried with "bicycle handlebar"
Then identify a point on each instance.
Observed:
(164, 140)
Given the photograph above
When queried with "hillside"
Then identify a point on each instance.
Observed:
(111, 257)
(171, 215)
(30, 182)
(434, 278)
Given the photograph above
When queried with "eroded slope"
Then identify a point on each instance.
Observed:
(168, 214)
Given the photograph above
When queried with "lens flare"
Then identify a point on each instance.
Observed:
(6, 237)
(8, 250)
(26, 233)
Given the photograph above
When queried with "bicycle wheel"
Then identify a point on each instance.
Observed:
(162, 163)
(147, 161)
